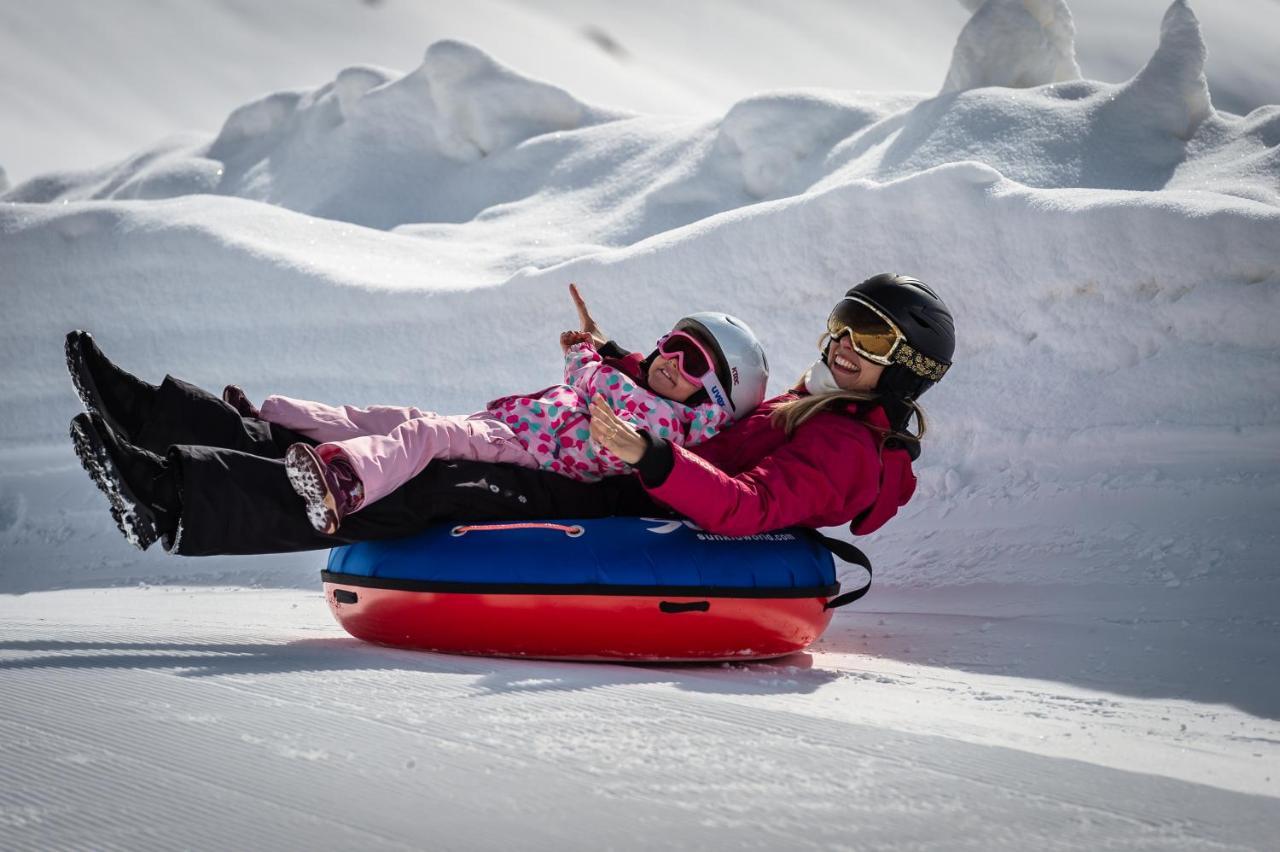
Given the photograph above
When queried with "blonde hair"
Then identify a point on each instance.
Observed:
(790, 416)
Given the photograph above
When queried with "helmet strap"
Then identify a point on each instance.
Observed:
(711, 384)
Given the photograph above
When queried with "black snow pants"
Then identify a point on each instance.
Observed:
(236, 497)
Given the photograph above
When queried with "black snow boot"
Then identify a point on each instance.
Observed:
(140, 486)
(122, 399)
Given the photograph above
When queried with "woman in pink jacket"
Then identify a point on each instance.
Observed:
(181, 465)
(836, 448)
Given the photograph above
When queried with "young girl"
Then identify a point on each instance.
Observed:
(707, 371)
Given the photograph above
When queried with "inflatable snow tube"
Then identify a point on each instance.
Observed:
(639, 589)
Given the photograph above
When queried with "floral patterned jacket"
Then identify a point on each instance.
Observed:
(553, 423)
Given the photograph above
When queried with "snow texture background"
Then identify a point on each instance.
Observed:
(1072, 642)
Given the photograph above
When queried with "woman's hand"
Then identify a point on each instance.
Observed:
(615, 434)
(585, 319)
(572, 338)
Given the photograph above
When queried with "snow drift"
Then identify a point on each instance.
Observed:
(408, 238)
(1102, 454)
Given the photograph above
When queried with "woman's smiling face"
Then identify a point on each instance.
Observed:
(851, 370)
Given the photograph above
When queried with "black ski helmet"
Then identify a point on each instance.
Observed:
(926, 323)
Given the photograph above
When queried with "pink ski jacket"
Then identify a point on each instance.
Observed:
(834, 469)
(554, 423)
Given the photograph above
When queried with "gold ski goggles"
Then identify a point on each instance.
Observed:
(878, 339)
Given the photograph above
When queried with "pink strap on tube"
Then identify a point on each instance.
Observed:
(573, 530)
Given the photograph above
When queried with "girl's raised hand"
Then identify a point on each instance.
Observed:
(569, 338)
(585, 319)
(615, 434)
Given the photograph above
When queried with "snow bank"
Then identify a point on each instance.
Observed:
(1157, 131)
(86, 84)
(1093, 239)
(1110, 250)
(1114, 39)
(1172, 83)
(168, 68)
(464, 174)
(1017, 43)
(1080, 599)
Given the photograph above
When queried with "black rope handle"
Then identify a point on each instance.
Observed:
(846, 552)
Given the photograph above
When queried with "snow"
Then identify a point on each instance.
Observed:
(1012, 43)
(269, 728)
(82, 83)
(1072, 638)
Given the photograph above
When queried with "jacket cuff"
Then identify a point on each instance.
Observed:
(657, 462)
(611, 349)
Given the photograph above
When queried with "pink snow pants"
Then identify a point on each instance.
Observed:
(389, 445)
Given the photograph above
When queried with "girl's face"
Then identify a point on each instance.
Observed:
(851, 370)
(665, 379)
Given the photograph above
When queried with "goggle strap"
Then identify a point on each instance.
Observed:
(716, 391)
(921, 365)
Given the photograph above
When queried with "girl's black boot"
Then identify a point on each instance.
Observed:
(141, 486)
(119, 397)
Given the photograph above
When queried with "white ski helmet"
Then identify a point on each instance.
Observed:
(743, 369)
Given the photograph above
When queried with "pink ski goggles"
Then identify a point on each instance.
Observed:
(695, 362)
(691, 357)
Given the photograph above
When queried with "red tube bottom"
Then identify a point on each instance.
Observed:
(580, 627)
